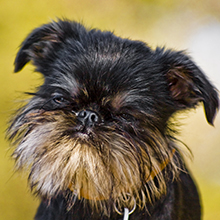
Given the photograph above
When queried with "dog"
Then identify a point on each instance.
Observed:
(98, 136)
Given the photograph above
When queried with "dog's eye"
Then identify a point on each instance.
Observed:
(127, 117)
(59, 99)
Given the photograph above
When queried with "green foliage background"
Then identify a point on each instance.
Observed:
(158, 22)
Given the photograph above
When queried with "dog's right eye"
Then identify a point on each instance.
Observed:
(59, 99)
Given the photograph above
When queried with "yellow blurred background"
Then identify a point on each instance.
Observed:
(190, 24)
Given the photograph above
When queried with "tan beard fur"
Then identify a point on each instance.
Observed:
(99, 171)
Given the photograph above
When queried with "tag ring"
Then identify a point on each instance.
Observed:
(120, 213)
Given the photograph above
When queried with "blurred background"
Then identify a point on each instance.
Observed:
(190, 24)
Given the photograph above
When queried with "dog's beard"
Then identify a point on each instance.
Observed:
(106, 165)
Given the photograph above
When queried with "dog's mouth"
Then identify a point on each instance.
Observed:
(84, 133)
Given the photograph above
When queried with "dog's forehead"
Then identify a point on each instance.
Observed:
(102, 91)
(113, 69)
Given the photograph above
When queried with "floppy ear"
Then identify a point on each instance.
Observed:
(187, 84)
(43, 42)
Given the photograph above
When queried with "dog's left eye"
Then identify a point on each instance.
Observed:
(127, 117)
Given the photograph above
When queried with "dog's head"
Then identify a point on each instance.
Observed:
(99, 124)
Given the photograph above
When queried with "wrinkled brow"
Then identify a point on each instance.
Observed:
(69, 84)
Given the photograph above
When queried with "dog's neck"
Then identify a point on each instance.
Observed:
(86, 195)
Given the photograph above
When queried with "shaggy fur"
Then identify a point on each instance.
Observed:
(96, 137)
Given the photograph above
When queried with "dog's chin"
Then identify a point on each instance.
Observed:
(98, 166)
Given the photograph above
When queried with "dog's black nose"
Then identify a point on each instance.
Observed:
(88, 117)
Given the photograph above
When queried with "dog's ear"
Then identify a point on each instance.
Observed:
(43, 42)
(187, 84)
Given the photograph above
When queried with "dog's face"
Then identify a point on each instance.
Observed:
(99, 125)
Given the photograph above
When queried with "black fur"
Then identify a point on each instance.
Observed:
(80, 68)
(180, 202)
